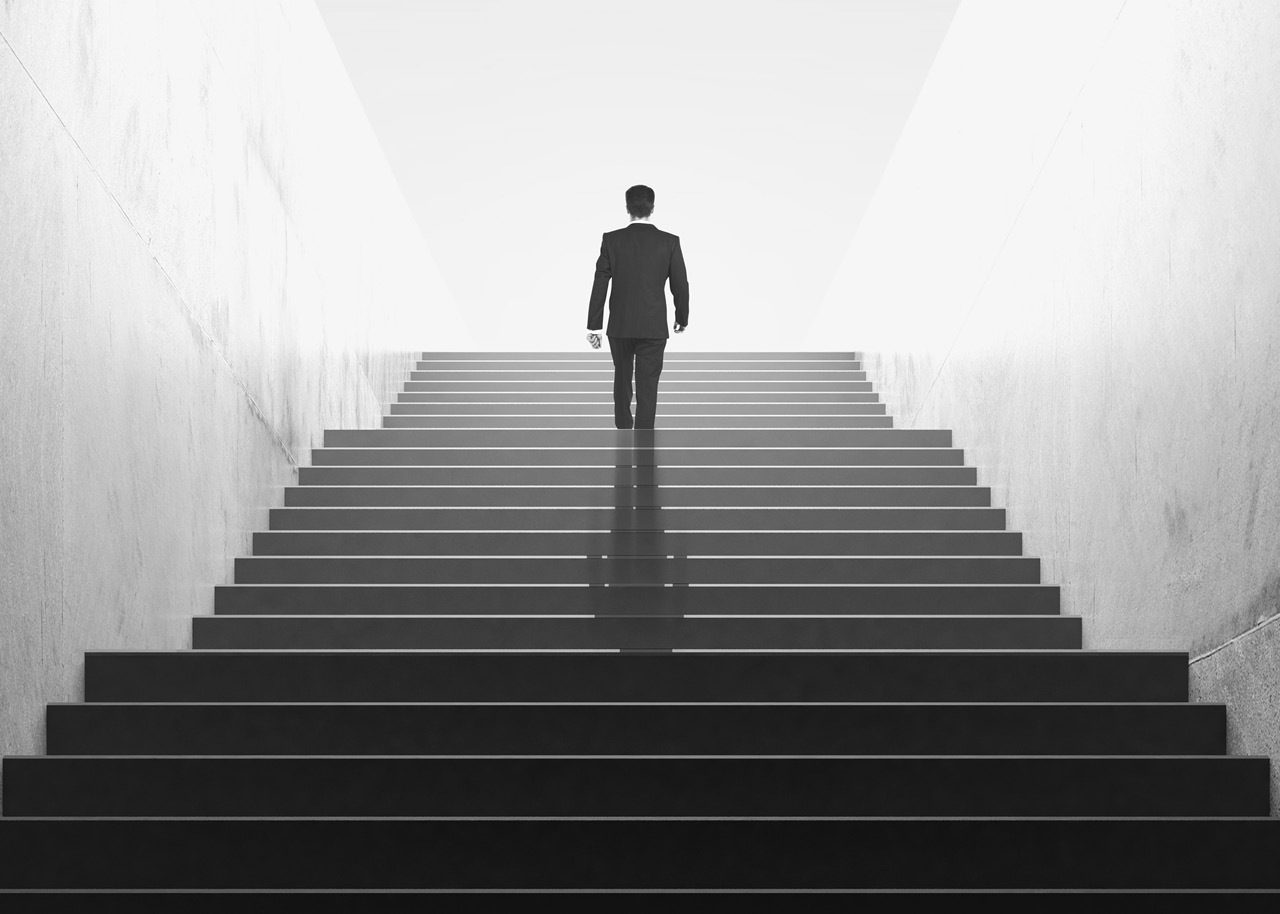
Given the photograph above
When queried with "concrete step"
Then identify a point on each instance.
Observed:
(882, 676)
(597, 364)
(636, 542)
(636, 570)
(677, 371)
(661, 438)
(411, 599)
(639, 518)
(673, 355)
(358, 854)
(667, 398)
(636, 729)
(625, 454)
(606, 421)
(635, 633)
(684, 386)
(635, 496)
(637, 786)
(604, 408)
(642, 475)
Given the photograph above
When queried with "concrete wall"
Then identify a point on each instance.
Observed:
(204, 261)
(1074, 261)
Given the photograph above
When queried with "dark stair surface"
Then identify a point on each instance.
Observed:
(777, 643)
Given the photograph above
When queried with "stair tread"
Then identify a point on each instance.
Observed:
(696, 785)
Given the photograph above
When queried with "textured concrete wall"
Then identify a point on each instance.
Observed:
(1074, 261)
(1244, 673)
(204, 261)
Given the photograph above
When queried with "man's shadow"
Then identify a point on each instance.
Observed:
(639, 553)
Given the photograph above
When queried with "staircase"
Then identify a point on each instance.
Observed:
(778, 643)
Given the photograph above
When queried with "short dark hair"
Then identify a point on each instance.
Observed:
(640, 201)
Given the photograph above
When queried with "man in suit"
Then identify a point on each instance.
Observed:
(639, 259)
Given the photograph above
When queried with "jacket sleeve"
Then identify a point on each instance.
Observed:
(679, 285)
(604, 270)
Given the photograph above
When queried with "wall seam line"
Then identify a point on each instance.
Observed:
(209, 340)
(1230, 641)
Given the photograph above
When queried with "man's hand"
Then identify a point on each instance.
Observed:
(679, 328)
(593, 337)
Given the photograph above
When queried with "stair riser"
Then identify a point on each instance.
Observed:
(636, 543)
(637, 570)
(821, 412)
(630, 440)
(625, 519)
(644, 853)
(672, 364)
(496, 390)
(76, 729)
(932, 676)
(797, 401)
(633, 496)
(403, 786)
(865, 599)
(674, 373)
(644, 475)
(625, 455)
(755, 356)
(620, 633)
(606, 422)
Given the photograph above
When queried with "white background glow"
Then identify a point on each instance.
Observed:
(514, 127)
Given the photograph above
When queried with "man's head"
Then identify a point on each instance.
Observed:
(640, 201)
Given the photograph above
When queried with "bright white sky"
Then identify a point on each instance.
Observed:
(515, 126)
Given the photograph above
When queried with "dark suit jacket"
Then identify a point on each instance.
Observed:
(639, 259)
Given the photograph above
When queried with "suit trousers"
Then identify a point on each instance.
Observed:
(643, 357)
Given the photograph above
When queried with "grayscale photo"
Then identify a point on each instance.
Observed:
(697, 447)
